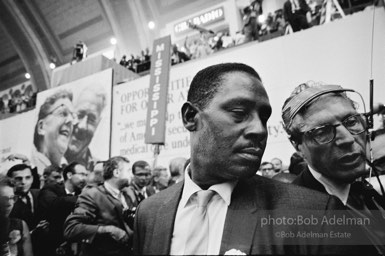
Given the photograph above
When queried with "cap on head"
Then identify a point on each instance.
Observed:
(304, 94)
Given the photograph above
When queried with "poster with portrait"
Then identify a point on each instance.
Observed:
(72, 122)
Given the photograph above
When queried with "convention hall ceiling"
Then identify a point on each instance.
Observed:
(34, 33)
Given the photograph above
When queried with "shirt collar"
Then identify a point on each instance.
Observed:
(69, 192)
(339, 190)
(224, 190)
(114, 191)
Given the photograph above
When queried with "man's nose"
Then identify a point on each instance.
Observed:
(82, 123)
(343, 136)
(256, 127)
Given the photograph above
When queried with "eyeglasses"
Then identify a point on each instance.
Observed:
(355, 124)
(63, 112)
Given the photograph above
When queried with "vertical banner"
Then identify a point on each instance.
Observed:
(157, 95)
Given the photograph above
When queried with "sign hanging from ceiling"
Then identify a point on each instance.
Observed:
(203, 19)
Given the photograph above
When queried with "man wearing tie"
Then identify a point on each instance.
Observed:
(140, 187)
(219, 207)
(25, 208)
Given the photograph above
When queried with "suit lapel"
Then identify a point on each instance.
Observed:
(241, 221)
(164, 224)
(117, 207)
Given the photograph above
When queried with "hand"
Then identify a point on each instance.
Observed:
(21, 157)
(116, 233)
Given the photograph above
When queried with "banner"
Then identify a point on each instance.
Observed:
(129, 121)
(157, 103)
(70, 123)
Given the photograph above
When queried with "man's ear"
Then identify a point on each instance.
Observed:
(189, 114)
(40, 127)
(298, 147)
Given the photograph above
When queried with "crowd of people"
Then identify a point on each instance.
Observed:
(295, 15)
(17, 101)
(211, 202)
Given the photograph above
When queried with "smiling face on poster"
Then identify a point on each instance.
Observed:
(73, 122)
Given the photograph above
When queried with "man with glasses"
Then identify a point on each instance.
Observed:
(89, 107)
(139, 188)
(267, 169)
(53, 130)
(324, 127)
(56, 201)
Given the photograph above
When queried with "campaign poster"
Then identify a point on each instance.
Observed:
(72, 122)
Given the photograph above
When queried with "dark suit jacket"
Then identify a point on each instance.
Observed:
(21, 211)
(251, 201)
(97, 207)
(306, 179)
(54, 205)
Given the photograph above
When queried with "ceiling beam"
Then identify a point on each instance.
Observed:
(26, 43)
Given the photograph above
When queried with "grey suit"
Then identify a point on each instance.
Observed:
(251, 201)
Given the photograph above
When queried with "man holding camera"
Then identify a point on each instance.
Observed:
(101, 219)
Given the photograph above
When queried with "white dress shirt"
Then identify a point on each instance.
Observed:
(116, 193)
(216, 212)
(339, 190)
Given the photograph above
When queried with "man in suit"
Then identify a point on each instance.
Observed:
(102, 215)
(297, 14)
(25, 208)
(140, 187)
(328, 132)
(56, 201)
(226, 114)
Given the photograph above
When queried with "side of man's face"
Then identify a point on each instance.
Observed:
(142, 176)
(56, 128)
(88, 109)
(231, 133)
(163, 179)
(23, 180)
(124, 169)
(7, 199)
(342, 159)
(267, 171)
(79, 178)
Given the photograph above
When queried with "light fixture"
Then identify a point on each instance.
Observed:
(52, 65)
(261, 18)
(27, 75)
(113, 40)
(151, 25)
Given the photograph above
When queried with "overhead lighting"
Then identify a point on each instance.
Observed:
(261, 18)
(52, 65)
(27, 75)
(113, 41)
(151, 25)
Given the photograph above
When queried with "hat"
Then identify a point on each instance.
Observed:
(302, 95)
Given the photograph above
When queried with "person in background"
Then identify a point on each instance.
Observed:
(277, 165)
(140, 185)
(161, 178)
(102, 217)
(52, 175)
(267, 170)
(176, 168)
(250, 20)
(56, 201)
(18, 240)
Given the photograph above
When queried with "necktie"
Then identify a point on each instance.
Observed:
(28, 202)
(197, 239)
